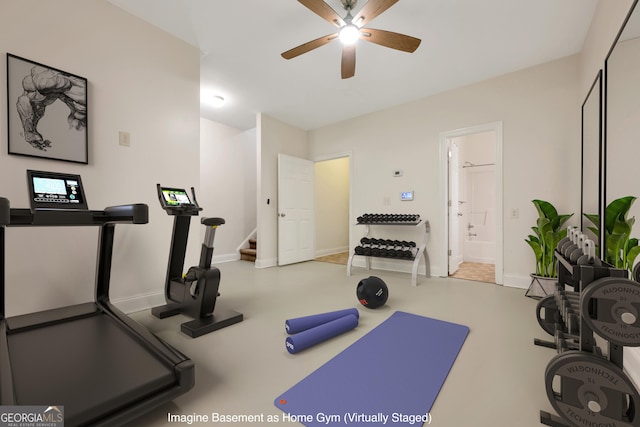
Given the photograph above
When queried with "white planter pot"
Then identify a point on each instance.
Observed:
(540, 286)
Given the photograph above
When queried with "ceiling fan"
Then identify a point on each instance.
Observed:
(351, 28)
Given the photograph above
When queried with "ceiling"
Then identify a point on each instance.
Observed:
(463, 41)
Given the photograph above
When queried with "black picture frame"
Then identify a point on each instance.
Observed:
(47, 112)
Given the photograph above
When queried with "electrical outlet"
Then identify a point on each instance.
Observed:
(125, 139)
(386, 200)
(515, 213)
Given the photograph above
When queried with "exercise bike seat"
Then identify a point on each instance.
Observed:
(212, 222)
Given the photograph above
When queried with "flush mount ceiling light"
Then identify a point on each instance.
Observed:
(351, 28)
(211, 98)
(216, 101)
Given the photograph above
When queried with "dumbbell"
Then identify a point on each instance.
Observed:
(589, 256)
(569, 307)
(565, 342)
(567, 298)
(567, 238)
(568, 249)
(570, 240)
(575, 255)
(359, 250)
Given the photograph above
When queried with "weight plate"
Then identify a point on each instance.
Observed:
(551, 316)
(588, 390)
(636, 273)
(611, 308)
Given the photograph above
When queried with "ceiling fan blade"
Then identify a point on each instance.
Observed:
(323, 10)
(348, 61)
(371, 9)
(390, 39)
(308, 46)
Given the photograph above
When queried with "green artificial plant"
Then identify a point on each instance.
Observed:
(622, 249)
(548, 233)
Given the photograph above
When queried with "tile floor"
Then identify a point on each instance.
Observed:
(476, 271)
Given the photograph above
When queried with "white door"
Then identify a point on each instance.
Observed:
(454, 209)
(295, 210)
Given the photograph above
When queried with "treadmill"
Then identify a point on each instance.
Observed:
(90, 361)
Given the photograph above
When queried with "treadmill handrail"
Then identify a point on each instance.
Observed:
(123, 214)
(5, 211)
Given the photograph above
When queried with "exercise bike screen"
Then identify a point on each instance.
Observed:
(175, 197)
(59, 191)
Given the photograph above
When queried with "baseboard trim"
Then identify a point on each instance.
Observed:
(266, 263)
(514, 281)
(218, 259)
(332, 251)
(139, 302)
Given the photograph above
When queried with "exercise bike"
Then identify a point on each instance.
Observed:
(193, 294)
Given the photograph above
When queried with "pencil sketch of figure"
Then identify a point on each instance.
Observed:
(41, 89)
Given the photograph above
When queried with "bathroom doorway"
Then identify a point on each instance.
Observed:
(474, 200)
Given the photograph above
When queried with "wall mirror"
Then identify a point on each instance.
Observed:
(622, 121)
(592, 160)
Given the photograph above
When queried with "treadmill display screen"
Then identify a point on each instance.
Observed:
(51, 190)
(175, 197)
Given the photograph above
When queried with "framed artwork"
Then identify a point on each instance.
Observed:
(47, 111)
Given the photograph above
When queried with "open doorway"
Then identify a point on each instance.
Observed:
(474, 202)
(332, 193)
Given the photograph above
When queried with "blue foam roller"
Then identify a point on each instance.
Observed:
(313, 336)
(299, 324)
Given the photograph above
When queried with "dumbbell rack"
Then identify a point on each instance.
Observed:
(421, 248)
(593, 387)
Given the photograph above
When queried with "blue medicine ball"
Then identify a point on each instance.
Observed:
(372, 292)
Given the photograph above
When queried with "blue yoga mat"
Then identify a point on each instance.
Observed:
(394, 371)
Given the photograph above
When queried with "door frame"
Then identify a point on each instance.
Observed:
(334, 156)
(444, 192)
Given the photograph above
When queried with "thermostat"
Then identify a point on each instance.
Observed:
(406, 195)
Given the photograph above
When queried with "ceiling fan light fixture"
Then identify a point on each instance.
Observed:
(349, 34)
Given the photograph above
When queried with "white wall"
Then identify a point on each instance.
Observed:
(607, 20)
(228, 184)
(273, 138)
(332, 206)
(142, 81)
(540, 114)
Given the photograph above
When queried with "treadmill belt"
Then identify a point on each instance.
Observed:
(92, 366)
